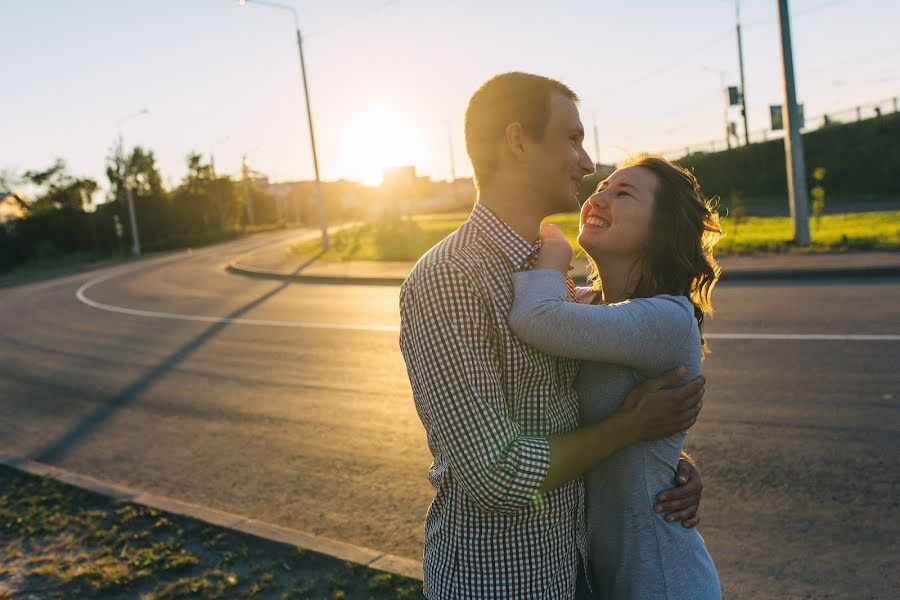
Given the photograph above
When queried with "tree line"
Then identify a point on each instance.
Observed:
(61, 218)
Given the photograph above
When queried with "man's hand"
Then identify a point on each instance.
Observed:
(556, 252)
(682, 503)
(657, 410)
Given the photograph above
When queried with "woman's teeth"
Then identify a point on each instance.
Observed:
(596, 222)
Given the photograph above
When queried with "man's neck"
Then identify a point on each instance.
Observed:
(516, 206)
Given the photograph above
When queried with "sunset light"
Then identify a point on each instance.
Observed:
(383, 299)
(377, 140)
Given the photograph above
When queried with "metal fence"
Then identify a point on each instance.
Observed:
(847, 115)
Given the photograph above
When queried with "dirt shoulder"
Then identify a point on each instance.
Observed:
(59, 541)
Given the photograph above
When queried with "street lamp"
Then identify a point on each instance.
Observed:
(724, 102)
(737, 18)
(217, 188)
(135, 240)
(312, 138)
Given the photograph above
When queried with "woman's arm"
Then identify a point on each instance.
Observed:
(644, 333)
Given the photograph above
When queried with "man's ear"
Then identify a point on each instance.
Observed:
(515, 140)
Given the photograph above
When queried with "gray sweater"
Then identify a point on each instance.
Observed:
(633, 551)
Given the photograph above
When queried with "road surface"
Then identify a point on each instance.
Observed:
(289, 403)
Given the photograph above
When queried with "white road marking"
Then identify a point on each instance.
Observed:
(825, 337)
(82, 297)
(80, 294)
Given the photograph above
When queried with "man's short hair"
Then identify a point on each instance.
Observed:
(513, 97)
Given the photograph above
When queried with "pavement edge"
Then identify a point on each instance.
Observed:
(802, 274)
(374, 559)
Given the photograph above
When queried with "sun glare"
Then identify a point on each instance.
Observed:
(378, 140)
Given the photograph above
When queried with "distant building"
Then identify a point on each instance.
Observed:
(399, 177)
(12, 206)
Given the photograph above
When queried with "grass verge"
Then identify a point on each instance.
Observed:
(408, 238)
(58, 541)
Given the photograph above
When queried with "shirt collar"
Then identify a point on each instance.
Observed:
(520, 252)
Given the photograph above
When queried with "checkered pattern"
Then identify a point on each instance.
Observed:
(488, 402)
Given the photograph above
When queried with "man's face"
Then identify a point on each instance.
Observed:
(556, 165)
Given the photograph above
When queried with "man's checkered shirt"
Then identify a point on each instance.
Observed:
(488, 402)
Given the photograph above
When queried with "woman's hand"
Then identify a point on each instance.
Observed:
(556, 253)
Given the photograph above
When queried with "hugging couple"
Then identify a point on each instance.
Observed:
(556, 415)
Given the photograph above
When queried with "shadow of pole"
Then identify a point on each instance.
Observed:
(57, 449)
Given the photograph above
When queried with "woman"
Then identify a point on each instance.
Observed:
(649, 233)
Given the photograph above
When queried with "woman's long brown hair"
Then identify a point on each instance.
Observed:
(678, 258)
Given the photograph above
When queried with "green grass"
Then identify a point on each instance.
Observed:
(401, 240)
(407, 239)
(830, 233)
(57, 541)
(759, 235)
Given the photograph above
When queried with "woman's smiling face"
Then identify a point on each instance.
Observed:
(616, 219)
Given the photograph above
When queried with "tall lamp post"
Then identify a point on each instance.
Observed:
(323, 222)
(737, 20)
(724, 93)
(793, 141)
(217, 188)
(135, 239)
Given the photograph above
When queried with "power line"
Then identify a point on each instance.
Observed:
(666, 67)
(804, 11)
(350, 20)
(276, 62)
(719, 37)
(215, 109)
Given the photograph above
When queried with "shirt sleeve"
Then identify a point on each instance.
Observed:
(648, 334)
(448, 337)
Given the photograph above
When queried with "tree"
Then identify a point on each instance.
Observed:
(59, 189)
(150, 203)
(202, 202)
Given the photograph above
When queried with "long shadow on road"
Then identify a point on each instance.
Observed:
(57, 449)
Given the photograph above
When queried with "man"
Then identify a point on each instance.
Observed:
(501, 417)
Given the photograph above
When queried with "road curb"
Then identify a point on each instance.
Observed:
(238, 269)
(374, 559)
(727, 277)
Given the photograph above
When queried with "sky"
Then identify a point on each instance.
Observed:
(389, 80)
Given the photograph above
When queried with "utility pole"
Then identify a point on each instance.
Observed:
(737, 14)
(793, 142)
(217, 189)
(323, 219)
(450, 154)
(135, 240)
(245, 183)
(596, 144)
(725, 103)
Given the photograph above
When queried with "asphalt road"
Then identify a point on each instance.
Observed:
(295, 409)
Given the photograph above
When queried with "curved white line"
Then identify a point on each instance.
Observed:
(80, 294)
(82, 297)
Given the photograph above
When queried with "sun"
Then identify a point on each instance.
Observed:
(377, 140)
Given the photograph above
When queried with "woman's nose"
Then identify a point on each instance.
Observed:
(598, 199)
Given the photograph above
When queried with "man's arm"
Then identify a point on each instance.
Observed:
(682, 503)
(650, 412)
(447, 338)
